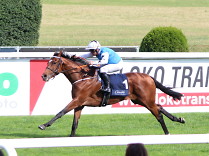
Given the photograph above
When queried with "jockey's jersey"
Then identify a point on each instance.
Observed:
(114, 58)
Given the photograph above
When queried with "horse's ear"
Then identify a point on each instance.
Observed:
(60, 53)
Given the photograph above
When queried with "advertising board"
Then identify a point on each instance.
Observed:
(14, 87)
(23, 92)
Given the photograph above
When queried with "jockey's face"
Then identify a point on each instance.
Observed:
(94, 52)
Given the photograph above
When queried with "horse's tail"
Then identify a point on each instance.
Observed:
(168, 90)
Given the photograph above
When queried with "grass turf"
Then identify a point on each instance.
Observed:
(121, 23)
(106, 125)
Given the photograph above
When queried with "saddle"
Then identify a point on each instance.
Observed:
(118, 85)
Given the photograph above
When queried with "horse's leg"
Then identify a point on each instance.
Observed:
(170, 116)
(72, 105)
(59, 115)
(156, 112)
(77, 114)
(162, 123)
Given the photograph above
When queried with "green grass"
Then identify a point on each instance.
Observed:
(121, 22)
(172, 3)
(106, 125)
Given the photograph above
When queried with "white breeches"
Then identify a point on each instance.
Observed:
(111, 68)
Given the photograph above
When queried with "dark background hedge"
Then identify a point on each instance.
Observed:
(20, 22)
(164, 39)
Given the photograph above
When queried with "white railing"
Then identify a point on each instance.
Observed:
(52, 48)
(128, 55)
(10, 144)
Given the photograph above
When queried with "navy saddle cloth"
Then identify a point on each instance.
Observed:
(118, 84)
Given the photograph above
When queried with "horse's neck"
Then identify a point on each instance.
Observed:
(75, 72)
(72, 73)
(79, 77)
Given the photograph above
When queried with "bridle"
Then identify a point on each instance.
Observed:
(56, 71)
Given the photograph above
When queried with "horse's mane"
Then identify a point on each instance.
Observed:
(73, 58)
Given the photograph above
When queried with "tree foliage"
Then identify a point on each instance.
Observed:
(164, 39)
(20, 22)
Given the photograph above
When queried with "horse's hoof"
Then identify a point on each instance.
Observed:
(182, 120)
(72, 135)
(42, 127)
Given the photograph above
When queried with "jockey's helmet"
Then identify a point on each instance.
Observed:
(93, 45)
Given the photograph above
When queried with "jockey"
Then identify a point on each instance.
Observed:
(109, 61)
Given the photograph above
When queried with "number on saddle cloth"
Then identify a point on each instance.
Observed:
(118, 84)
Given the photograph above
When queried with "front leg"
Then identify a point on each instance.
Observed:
(59, 115)
(72, 105)
(77, 115)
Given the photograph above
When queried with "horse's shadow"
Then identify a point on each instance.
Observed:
(26, 135)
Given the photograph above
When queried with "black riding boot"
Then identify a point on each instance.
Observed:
(106, 80)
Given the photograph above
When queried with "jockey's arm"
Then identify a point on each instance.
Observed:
(85, 55)
(104, 60)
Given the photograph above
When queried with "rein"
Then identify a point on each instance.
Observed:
(73, 68)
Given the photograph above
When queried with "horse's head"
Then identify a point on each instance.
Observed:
(53, 67)
(61, 62)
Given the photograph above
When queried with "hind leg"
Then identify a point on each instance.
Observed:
(170, 116)
(155, 111)
(159, 117)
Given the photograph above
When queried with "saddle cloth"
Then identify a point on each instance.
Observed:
(118, 84)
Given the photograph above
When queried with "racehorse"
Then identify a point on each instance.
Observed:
(86, 89)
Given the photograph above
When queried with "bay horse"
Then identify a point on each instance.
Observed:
(86, 89)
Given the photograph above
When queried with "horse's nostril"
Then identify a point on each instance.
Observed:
(44, 76)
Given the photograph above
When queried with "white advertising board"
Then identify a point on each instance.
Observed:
(14, 87)
(187, 76)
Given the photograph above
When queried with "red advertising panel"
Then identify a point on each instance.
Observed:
(189, 99)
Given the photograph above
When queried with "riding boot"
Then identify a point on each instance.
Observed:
(106, 80)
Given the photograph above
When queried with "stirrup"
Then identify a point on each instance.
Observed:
(105, 99)
(107, 90)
